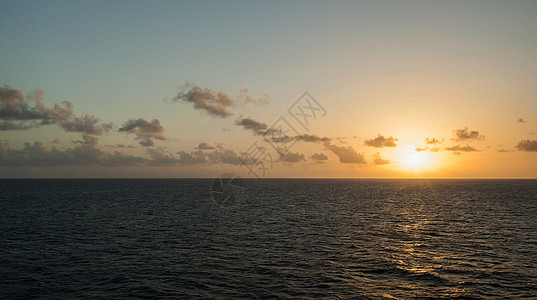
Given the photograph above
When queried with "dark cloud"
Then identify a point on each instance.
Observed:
(223, 155)
(291, 157)
(381, 141)
(220, 154)
(312, 138)
(457, 149)
(144, 130)
(120, 146)
(217, 104)
(87, 140)
(16, 113)
(259, 128)
(379, 160)
(527, 145)
(432, 141)
(88, 153)
(346, 154)
(205, 146)
(465, 134)
(319, 156)
(520, 120)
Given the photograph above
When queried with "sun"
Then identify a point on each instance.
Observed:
(415, 160)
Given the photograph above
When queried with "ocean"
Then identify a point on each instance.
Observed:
(276, 238)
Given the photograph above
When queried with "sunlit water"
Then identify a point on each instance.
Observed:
(283, 239)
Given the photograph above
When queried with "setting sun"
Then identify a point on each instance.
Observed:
(412, 159)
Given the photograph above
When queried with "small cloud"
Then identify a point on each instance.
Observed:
(144, 130)
(527, 145)
(465, 134)
(433, 141)
(379, 160)
(120, 146)
(432, 149)
(458, 149)
(312, 138)
(520, 120)
(259, 128)
(381, 141)
(346, 154)
(204, 146)
(505, 151)
(319, 156)
(215, 103)
(87, 140)
(291, 157)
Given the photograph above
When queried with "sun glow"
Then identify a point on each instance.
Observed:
(415, 160)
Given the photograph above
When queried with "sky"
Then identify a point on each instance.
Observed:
(346, 89)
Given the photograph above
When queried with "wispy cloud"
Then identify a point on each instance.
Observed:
(457, 149)
(215, 103)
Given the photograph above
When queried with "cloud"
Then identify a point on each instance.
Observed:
(88, 153)
(346, 154)
(465, 134)
(259, 128)
(520, 120)
(379, 160)
(432, 149)
(144, 130)
(87, 140)
(457, 149)
(432, 141)
(291, 157)
(381, 141)
(223, 155)
(312, 138)
(16, 113)
(217, 104)
(505, 151)
(319, 156)
(120, 146)
(527, 145)
(205, 146)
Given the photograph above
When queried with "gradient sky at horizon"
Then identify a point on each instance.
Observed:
(410, 70)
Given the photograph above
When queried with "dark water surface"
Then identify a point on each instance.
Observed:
(283, 239)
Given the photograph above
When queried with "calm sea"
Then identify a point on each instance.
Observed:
(274, 239)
